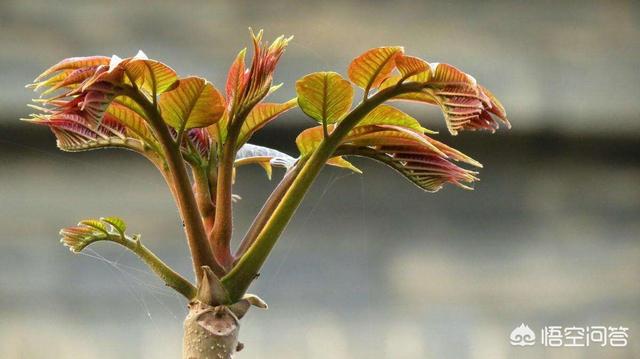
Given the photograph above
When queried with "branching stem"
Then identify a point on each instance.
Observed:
(220, 237)
(240, 277)
(185, 200)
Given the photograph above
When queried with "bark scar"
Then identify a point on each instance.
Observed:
(219, 321)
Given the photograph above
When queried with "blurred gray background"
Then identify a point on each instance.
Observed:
(371, 267)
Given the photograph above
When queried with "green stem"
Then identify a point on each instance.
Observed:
(237, 281)
(196, 237)
(168, 275)
(267, 209)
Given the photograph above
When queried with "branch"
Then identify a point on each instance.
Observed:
(237, 281)
(202, 191)
(91, 231)
(166, 273)
(194, 229)
(220, 237)
(267, 209)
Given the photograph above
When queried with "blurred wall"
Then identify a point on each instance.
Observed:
(571, 65)
(371, 267)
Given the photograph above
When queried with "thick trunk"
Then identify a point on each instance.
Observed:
(210, 332)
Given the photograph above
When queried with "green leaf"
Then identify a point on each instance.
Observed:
(260, 116)
(93, 223)
(136, 125)
(193, 103)
(309, 139)
(218, 131)
(384, 134)
(324, 96)
(339, 161)
(131, 105)
(90, 231)
(117, 223)
(389, 115)
(152, 76)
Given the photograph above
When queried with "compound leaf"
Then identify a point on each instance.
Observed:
(419, 158)
(464, 104)
(90, 231)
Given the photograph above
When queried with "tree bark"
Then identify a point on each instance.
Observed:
(210, 332)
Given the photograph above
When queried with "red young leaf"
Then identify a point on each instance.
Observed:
(411, 66)
(465, 104)
(371, 68)
(419, 158)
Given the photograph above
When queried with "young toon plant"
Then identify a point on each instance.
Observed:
(184, 124)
